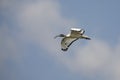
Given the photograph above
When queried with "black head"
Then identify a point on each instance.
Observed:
(60, 35)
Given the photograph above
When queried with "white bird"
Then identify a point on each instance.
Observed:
(71, 37)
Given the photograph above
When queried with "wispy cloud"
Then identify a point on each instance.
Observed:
(39, 22)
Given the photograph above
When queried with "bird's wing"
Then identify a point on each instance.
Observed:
(66, 42)
(76, 31)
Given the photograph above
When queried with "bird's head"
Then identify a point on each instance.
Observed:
(60, 35)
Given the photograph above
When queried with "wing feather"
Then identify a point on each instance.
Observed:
(66, 42)
(76, 31)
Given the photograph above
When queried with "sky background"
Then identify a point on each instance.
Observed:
(28, 50)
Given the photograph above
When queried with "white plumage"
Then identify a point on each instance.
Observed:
(75, 34)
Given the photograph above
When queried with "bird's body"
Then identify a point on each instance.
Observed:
(71, 37)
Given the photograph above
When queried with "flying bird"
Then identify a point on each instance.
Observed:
(75, 34)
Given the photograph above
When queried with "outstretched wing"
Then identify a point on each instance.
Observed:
(66, 42)
(76, 31)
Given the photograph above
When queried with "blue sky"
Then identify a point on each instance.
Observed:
(29, 52)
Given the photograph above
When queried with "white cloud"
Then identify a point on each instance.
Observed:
(40, 21)
(97, 57)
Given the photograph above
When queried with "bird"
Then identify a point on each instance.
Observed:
(75, 34)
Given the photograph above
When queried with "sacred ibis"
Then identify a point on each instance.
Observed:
(74, 35)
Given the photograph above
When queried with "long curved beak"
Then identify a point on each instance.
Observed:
(56, 36)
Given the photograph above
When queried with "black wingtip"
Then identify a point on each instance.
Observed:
(64, 49)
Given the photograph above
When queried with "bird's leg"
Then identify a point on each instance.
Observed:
(86, 37)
